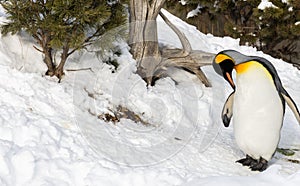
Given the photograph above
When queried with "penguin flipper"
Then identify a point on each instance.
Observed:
(227, 111)
(292, 105)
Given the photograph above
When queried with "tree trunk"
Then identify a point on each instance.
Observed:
(54, 70)
(143, 36)
(49, 61)
(59, 71)
(151, 62)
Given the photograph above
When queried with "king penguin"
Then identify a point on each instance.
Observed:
(257, 105)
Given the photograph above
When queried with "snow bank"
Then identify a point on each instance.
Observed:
(50, 133)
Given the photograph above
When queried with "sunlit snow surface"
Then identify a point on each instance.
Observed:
(50, 133)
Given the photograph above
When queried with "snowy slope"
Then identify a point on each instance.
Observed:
(50, 134)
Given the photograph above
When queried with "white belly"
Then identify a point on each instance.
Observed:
(257, 114)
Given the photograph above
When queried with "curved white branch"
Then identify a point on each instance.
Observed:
(186, 46)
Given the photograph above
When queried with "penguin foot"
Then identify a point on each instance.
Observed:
(260, 166)
(248, 161)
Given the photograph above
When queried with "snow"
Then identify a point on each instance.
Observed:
(266, 4)
(50, 133)
(183, 2)
(194, 12)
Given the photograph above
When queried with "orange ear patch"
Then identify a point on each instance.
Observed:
(221, 57)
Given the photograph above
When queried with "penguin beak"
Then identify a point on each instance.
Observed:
(228, 77)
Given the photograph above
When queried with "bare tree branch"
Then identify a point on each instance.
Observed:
(183, 39)
(156, 6)
(35, 47)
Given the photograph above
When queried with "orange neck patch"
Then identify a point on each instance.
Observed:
(244, 67)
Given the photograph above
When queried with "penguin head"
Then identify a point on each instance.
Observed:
(225, 61)
(223, 64)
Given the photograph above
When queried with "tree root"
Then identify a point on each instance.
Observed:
(191, 63)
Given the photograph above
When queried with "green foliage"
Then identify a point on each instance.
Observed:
(69, 22)
(63, 20)
(242, 19)
(278, 23)
(116, 32)
(286, 152)
(62, 25)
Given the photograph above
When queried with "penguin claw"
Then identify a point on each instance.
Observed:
(248, 161)
(253, 164)
(260, 166)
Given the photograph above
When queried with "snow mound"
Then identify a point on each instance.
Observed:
(50, 133)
